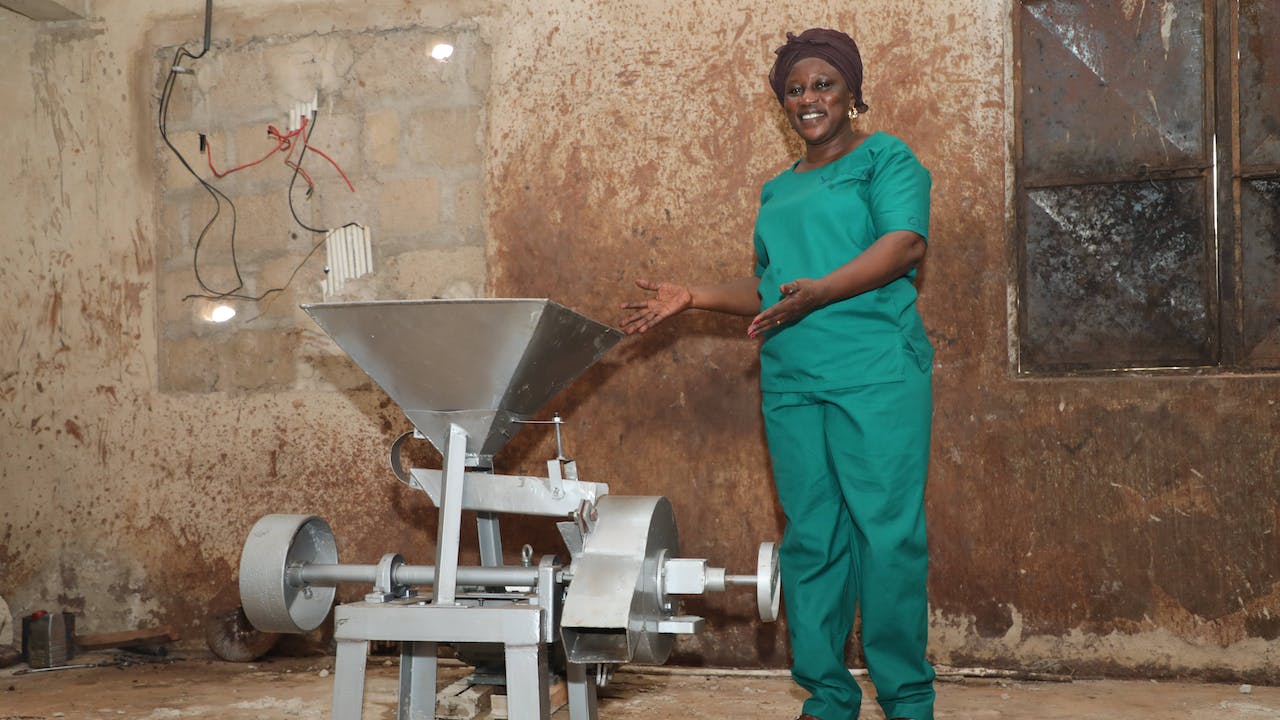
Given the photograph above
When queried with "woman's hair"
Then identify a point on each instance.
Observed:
(833, 46)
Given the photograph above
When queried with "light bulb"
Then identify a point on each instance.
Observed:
(222, 313)
(442, 51)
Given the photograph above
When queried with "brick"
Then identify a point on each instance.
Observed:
(263, 225)
(174, 177)
(214, 248)
(443, 272)
(212, 264)
(251, 142)
(382, 133)
(281, 310)
(446, 138)
(333, 206)
(408, 207)
(307, 67)
(236, 83)
(182, 98)
(397, 64)
(339, 136)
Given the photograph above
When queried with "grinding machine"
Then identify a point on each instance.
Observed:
(468, 374)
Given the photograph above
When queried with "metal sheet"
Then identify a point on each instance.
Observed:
(613, 607)
(1260, 270)
(1117, 276)
(1259, 82)
(1106, 90)
(483, 364)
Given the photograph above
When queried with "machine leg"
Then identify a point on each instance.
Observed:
(490, 539)
(582, 693)
(527, 691)
(417, 681)
(449, 532)
(348, 679)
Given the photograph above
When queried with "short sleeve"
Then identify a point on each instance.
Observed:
(900, 193)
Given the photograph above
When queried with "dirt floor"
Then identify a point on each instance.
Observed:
(198, 686)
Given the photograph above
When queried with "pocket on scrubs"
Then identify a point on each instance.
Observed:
(918, 352)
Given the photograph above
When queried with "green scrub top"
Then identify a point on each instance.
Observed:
(813, 222)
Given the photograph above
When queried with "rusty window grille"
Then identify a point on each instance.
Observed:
(1147, 153)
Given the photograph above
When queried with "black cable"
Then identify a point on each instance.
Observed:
(208, 24)
(166, 95)
(297, 170)
(217, 194)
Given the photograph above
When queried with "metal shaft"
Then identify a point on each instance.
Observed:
(415, 575)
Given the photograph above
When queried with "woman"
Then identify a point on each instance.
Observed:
(846, 376)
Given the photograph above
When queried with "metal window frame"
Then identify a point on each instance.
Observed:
(1224, 244)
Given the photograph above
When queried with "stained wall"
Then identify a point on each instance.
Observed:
(1091, 524)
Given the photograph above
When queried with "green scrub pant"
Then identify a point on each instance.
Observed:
(850, 469)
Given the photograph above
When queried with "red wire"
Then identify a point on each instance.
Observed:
(284, 142)
(334, 164)
(304, 174)
(307, 146)
(208, 151)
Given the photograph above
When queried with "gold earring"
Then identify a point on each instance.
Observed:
(853, 113)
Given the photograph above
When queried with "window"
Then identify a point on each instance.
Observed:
(1147, 191)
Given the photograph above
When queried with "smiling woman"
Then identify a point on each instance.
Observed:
(846, 375)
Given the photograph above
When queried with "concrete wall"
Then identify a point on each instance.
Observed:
(1123, 524)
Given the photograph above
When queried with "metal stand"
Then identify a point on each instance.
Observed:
(522, 628)
(519, 629)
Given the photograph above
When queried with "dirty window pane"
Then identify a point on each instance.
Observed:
(1117, 276)
(1259, 82)
(1260, 232)
(1111, 87)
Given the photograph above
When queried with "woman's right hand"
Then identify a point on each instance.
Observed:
(668, 299)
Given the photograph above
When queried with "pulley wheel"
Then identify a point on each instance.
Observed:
(768, 582)
(231, 637)
(275, 544)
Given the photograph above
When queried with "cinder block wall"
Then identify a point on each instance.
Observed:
(407, 130)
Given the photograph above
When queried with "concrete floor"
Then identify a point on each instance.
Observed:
(198, 686)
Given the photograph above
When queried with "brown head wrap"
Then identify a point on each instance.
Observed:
(832, 46)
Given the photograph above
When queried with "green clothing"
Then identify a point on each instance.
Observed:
(847, 405)
(813, 222)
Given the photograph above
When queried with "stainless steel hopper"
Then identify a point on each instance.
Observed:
(482, 364)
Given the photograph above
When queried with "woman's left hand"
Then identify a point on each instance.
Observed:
(799, 298)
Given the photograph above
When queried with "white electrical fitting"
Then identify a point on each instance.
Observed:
(302, 110)
(349, 256)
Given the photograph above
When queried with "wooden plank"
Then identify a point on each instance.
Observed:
(463, 701)
(101, 641)
(558, 695)
(41, 9)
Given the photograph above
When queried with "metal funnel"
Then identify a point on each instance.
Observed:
(483, 364)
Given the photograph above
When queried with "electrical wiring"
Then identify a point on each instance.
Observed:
(306, 131)
(306, 144)
(285, 142)
(217, 195)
